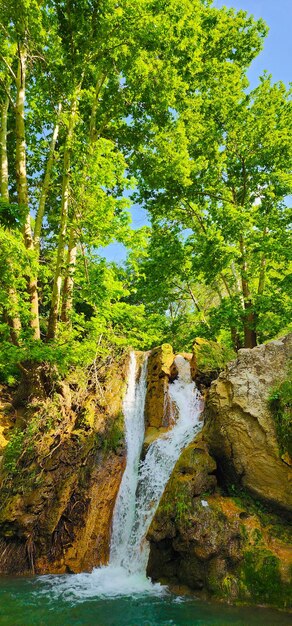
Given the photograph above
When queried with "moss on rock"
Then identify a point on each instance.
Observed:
(60, 475)
(224, 546)
(260, 579)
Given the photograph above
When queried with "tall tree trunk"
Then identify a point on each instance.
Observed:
(234, 334)
(67, 303)
(46, 184)
(67, 296)
(92, 124)
(3, 145)
(249, 318)
(233, 330)
(263, 266)
(249, 327)
(56, 294)
(237, 283)
(12, 312)
(262, 276)
(21, 182)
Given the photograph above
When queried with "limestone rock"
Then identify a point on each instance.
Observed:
(192, 475)
(90, 542)
(57, 492)
(151, 434)
(219, 547)
(158, 374)
(240, 429)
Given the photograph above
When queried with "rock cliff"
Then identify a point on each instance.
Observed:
(61, 471)
(240, 427)
(222, 524)
(221, 527)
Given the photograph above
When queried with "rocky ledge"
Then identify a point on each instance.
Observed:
(222, 526)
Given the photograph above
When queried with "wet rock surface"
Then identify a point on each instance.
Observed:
(217, 544)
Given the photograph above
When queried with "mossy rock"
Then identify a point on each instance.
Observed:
(280, 403)
(261, 581)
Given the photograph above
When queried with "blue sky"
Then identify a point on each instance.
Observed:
(275, 58)
(277, 54)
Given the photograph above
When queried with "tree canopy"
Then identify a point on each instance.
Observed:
(105, 103)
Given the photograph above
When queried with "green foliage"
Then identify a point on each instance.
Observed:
(211, 356)
(225, 224)
(280, 403)
(114, 438)
(11, 216)
(177, 502)
(13, 451)
(160, 105)
(183, 504)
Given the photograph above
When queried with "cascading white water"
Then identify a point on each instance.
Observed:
(140, 491)
(160, 459)
(124, 511)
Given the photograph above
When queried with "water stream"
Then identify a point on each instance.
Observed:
(120, 594)
(140, 491)
(158, 464)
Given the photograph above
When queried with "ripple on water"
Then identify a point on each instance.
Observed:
(103, 599)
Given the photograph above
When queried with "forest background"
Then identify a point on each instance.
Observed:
(106, 103)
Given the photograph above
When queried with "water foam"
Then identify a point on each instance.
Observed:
(124, 512)
(160, 459)
(141, 489)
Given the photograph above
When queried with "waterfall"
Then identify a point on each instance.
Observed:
(143, 483)
(124, 511)
(140, 491)
(159, 462)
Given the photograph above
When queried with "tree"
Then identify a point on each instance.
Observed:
(224, 170)
(91, 88)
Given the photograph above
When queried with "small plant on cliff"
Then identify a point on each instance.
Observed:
(13, 451)
(280, 403)
(115, 435)
(183, 505)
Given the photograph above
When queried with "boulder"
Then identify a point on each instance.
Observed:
(192, 475)
(157, 404)
(220, 546)
(240, 428)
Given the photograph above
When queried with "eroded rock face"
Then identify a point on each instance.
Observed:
(217, 544)
(88, 522)
(240, 428)
(160, 362)
(59, 484)
(230, 547)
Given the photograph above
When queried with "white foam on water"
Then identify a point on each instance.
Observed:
(109, 581)
(140, 491)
